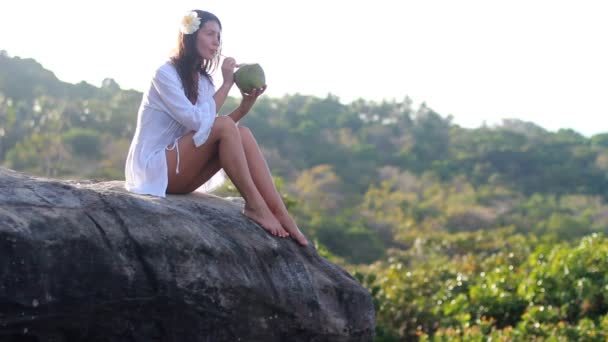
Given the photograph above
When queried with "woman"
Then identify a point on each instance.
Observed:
(180, 142)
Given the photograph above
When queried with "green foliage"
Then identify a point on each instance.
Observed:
(600, 140)
(554, 291)
(84, 143)
(39, 154)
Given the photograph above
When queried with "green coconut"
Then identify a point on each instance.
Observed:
(249, 76)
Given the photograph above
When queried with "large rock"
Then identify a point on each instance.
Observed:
(90, 262)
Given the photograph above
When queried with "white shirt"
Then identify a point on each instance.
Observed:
(165, 114)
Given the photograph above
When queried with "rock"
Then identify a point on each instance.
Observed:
(249, 76)
(87, 261)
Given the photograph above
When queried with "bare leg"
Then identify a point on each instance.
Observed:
(224, 140)
(260, 173)
(207, 173)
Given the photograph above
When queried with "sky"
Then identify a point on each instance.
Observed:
(480, 61)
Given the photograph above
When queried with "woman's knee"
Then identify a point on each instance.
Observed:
(244, 131)
(246, 135)
(225, 125)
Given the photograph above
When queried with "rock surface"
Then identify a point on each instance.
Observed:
(86, 261)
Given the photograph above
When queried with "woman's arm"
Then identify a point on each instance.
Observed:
(220, 95)
(246, 103)
(237, 114)
(168, 87)
(228, 75)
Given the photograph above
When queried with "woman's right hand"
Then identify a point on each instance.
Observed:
(228, 67)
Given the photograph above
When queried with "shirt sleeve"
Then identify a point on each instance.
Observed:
(197, 117)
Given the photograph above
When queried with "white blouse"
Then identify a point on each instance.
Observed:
(164, 116)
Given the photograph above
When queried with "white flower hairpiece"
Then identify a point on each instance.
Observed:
(190, 23)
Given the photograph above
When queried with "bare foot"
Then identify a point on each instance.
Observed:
(266, 220)
(291, 226)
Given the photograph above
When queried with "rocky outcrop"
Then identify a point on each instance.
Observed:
(86, 261)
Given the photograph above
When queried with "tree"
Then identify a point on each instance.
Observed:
(85, 143)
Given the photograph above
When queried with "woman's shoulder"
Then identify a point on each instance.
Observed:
(167, 67)
(166, 72)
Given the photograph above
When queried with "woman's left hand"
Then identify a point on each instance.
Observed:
(249, 99)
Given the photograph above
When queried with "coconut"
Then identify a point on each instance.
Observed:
(249, 76)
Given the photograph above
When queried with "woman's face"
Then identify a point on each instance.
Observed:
(208, 39)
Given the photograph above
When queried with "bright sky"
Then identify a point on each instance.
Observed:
(544, 61)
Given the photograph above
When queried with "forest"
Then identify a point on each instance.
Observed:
(458, 233)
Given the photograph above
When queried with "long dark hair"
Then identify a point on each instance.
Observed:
(189, 64)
